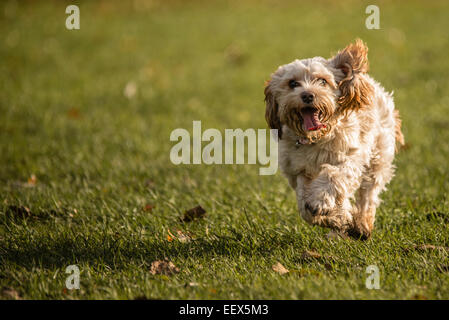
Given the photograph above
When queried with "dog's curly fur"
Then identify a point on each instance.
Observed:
(337, 131)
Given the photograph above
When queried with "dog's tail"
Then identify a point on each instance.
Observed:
(397, 131)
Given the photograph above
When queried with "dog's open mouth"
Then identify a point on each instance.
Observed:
(311, 119)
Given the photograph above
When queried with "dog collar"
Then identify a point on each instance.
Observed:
(302, 141)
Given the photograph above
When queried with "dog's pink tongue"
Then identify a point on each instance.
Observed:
(309, 122)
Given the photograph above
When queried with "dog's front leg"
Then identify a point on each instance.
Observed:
(326, 198)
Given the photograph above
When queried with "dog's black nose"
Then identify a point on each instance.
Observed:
(307, 97)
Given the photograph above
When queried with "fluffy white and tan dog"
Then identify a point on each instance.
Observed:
(337, 131)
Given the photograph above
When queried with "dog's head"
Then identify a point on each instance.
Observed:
(309, 95)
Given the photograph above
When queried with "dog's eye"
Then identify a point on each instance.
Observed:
(293, 84)
(322, 81)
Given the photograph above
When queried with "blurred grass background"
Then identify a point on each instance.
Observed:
(85, 174)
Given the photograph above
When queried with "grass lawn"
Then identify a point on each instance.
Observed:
(85, 175)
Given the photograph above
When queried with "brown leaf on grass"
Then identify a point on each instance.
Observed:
(148, 207)
(70, 214)
(164, 267)
(30, 183)
(180, 235)
(130, 89)
(309, 255)
(194, 213)
(183, 237)
(191, 284)
(279, 268)
(32, 180)
(10, 293)
(74, 113)
(170, 236)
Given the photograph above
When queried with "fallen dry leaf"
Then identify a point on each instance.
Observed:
(74, 113)
(192, 284)
(279, 268)
(32, 180)
(183, 237)
(164, 267)
(194, 213)
(10, 293)
(71, 215)
(308, 255)
(170, 236)
(130, 89)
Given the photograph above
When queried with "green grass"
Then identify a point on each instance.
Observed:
(100, 158)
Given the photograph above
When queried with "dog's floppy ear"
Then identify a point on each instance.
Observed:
(356, 91)
(271, 110)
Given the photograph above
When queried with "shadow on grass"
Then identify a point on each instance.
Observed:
(19, 213)
(117, 252)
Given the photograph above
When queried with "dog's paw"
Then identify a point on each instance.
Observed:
(330, 215)
(317, 210)
(320, 198)
(363, 226)
(322, 204)
(359, 233)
